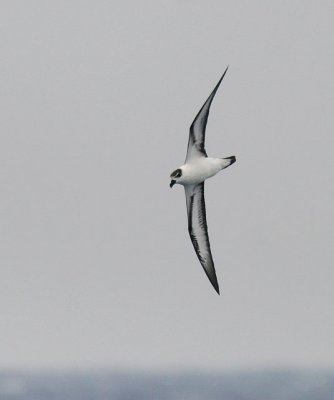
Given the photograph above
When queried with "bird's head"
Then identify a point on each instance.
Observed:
(175, 176)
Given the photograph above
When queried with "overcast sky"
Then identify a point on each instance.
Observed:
(97, 268)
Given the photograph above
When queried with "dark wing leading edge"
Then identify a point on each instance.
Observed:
(198, 230)
(197, 130)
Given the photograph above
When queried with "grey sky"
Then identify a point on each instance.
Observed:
(96, 265)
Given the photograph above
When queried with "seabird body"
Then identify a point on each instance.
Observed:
(197, 168)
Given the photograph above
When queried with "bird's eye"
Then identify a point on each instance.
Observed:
(176, 174)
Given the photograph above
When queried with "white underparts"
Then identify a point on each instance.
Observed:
(200, 169)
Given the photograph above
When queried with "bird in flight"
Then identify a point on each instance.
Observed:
(197, 168)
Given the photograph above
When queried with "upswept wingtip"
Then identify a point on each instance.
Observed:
(217, 290)
(214, 282)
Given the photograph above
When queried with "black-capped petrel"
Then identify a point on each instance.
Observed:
(197, 168)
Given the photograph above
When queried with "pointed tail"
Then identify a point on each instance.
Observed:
(227, 161)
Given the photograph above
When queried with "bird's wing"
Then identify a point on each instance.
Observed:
(196, 141)
(198, 230)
